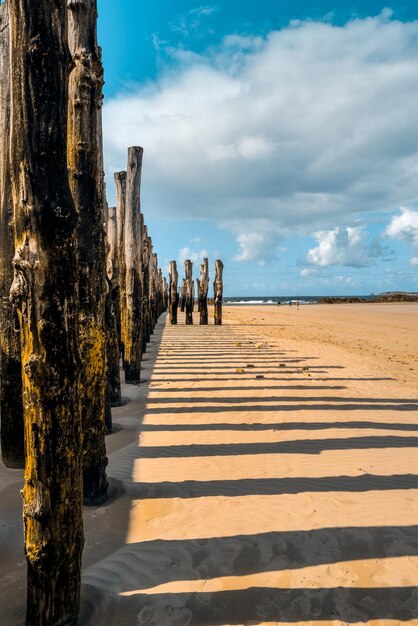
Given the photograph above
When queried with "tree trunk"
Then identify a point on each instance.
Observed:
(120, 182)
(44, 291)
(189, 292)
(11, 408)
(87, 186)
(133, 260)
(112, 313)
(203, 288)
(173, 292)
(218, 292)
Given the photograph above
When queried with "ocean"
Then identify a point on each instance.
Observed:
(285, 299)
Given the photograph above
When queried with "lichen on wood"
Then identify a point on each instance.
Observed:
(85, 164)
(44, 292)
(11, 407)
(133, 238)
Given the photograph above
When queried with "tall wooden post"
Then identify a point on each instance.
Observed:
(133, 260)
(183, 295)
(146, 314)
(165, 294)
(44, 291)
(189, 305)
(112, 312)
(203, 288)
(153, 291)
(11, 408)
(173, 297)
(218, 288)
(87, 186)
(120, 182)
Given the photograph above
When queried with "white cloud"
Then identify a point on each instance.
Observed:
(193, 255)
(303, 129)
(307, 272)
(257, 240)
(405, 228)
(341, 247)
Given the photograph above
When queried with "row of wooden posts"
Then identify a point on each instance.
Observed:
(184, 297)
(79, 286)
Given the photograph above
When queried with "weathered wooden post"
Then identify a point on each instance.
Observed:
(120, 182)
(153, 296)
(183, 295)
(203, 288)
(173, 297)
(218, 292)
(85, 163)
(44, 291)
(112, 312)
(146, 314)
(133, 260)
(165, 294)
(11, 408)
(160, 292)
(189, 305)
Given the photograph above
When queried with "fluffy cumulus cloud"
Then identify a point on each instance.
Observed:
(187, 253)
(405, 227)
(341, 246)
(301, 129)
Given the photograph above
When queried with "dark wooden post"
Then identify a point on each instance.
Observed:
(165, 294)
(146, 314)
(87, 186)
(173, 297)
(203, 288)
(133, 260)
(120, 182)
(189, 292)
(11, 409)
(44, 291)
(112, 313)
(183, 295)
(153, 291)
(218, 292)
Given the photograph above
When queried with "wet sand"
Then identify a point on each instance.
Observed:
(266, 472)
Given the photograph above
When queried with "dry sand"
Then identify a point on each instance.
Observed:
(266, 473)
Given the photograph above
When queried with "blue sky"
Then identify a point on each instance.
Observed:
(281, 137)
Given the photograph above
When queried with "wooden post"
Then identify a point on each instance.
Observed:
(173, 297)
(44, 291)
(87, 186)
(183, 295)
(165, 294)
(218, 292)
(112, 313)
(133, 256)
(11, 408)
(189, 305)
(120, 182)
(153, 292)
(146, 315)
(203, 288)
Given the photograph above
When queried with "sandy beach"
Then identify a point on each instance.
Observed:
(265, 472)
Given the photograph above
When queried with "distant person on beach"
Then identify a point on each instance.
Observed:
(290, 303)
(297, 305)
